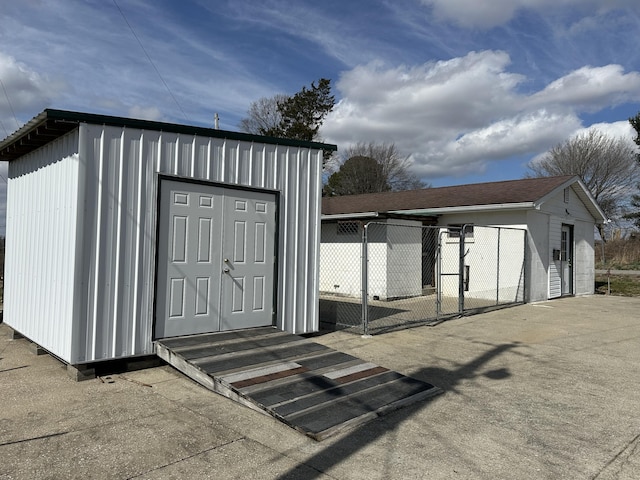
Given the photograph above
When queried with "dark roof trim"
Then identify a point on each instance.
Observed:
(52, 124)
(374, 216)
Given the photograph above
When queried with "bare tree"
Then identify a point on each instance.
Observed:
(633, 214)
(263, 115)
(606, 165)
(372, 168)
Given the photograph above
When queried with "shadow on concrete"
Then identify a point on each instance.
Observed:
(340, 315)
(360, 437)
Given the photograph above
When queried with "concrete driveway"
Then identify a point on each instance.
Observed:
(542, 391)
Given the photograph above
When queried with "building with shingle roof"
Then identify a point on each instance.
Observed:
(558, 215)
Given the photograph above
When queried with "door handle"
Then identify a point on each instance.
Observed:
(225, 270)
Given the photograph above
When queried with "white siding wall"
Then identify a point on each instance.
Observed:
(40, 268)
(584, 271)
(482, 256)
(394, 267)
(378, 260)
(491, 276)
(544, 227)
(573, 213)
(340, 261)
(404, 259)
(538, 256)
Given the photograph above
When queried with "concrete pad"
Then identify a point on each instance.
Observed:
(532, 392)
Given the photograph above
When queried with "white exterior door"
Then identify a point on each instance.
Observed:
(216, 259)
(566, 260)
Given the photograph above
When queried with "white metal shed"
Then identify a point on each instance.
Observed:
(121, 231)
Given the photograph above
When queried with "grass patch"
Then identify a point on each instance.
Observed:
(619, 254)
(622, 285)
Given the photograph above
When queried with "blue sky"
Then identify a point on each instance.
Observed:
(470, 90)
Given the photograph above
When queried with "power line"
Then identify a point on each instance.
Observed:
(6, 132)
(9, 102)
(150, 61)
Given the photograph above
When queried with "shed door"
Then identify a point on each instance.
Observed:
(248, 259)
(216, 259)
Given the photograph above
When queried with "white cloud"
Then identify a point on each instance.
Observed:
(146, 113)
(455, 117)
(21, 91)
(592, 88)
(486, 14)
(473, 151)
(474, 13)
(461, 92)
(620, 129)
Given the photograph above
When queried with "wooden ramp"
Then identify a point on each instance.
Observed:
(314, 389)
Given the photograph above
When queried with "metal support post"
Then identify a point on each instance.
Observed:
(498, 270)
(461, 272)
(365, 282)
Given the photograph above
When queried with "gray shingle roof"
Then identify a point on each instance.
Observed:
(491, 193)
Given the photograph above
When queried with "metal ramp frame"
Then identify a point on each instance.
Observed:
(312, 388)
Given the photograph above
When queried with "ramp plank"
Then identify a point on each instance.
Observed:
(312, 388)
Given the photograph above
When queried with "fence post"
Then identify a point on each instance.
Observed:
(439, 275)
(461, 271)
(365, 282)
(525, 257)
(498, 270)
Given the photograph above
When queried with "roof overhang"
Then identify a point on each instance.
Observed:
(467, 208)
(349, 216)
(37, 132)
(52, 124)
(336, 217)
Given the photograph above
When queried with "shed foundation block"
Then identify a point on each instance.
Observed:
(38, 350)
(15, 335)
(80, 373)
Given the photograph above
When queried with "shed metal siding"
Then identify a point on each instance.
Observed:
(40, 266)
(120, 225)
(82, 213)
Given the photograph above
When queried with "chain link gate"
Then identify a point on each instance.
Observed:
(380, 276)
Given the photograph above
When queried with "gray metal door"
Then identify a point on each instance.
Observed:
(249, 261)
(215, 260)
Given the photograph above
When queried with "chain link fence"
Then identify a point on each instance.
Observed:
(341, 275)
(379, 276)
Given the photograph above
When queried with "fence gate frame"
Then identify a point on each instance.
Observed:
(462, 273)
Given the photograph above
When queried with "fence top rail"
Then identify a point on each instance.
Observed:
(443, 227)
(401, 225)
